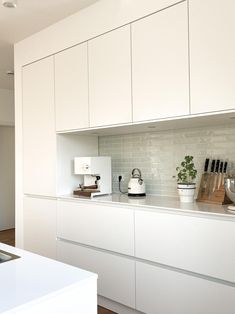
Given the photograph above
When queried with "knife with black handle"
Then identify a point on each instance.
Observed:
(210, 179)
(212, 166)
(205, 174)
(224, 171)
(225, 167)
(216, 175)
(204, 181)
(221, 167)
(220, 174)
(206, 164)
(217, 166)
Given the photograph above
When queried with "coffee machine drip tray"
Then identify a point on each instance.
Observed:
(86, 192)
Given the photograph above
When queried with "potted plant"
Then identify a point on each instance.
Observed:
(186, 175)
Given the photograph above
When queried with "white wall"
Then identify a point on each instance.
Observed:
(6, 107)
(7, 177)
(157, 154)
(7, 160)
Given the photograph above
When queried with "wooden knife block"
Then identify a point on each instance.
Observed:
(215, 196)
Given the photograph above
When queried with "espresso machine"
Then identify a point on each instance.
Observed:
(96, 173)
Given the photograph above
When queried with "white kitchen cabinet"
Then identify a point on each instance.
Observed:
(39, 218)
(116, 274)
(100, 226)
(160, 64)
(200, 245)
(110, 78)
(39, 138)
(164, 291)
(71, 88)
(212, 50)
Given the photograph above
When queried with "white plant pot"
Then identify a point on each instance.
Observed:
(186, 192)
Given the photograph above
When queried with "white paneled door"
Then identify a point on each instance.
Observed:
(39, 137)
(160, 64)
(212, 50)
(71, 88)
(110, 78)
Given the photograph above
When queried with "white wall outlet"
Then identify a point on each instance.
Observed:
(123, 177)
(116, 177)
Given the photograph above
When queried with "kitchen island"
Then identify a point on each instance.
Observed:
(35, 284)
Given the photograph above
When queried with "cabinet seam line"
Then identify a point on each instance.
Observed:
(151, 263)
(189, 60)
(88, 84)
(131, 62)
(135, 255)
(55, 125)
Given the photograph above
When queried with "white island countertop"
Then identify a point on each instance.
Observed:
(33, 279)
(154, 202)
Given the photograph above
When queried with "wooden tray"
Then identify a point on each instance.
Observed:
(85, 193)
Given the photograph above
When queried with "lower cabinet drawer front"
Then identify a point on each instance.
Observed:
(116, 275)
(164, 291)
(201, 245)
(104, 227)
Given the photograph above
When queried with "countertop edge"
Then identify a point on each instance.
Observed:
(220, 211)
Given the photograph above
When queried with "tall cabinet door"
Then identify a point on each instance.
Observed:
(110, 78)
(39, 138)
(71, 88)
(212, 52)
(160, 64)
(40, 226)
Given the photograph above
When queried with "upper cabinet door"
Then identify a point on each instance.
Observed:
(160, 64)
(110, 78)
(39, 138)
(71, 88)
(212, 50)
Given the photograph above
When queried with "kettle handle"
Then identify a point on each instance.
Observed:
(136, 175)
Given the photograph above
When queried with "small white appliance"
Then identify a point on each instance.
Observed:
(136, 185)
(97, 175)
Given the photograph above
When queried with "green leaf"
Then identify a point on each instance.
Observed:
(187, 172)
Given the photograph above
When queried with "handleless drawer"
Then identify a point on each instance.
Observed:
(116, 274)
(106, 227)
(164, 291)
(201, 245)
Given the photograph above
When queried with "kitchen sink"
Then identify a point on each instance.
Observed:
(6, 257)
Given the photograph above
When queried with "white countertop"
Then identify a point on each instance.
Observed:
(33, 278)
(153, 202)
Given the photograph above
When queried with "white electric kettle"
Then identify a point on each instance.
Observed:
(136, 185)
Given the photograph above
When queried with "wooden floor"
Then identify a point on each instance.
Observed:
(8, 237)
(102, 310)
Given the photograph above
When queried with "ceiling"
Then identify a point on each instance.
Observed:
(29, 17)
